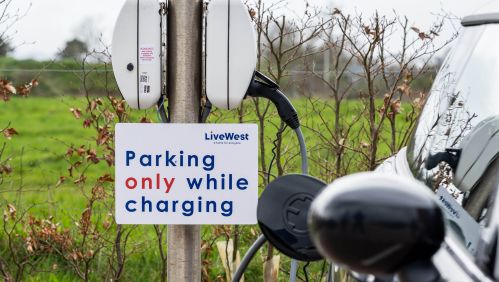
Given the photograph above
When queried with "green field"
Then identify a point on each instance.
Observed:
(47, 128)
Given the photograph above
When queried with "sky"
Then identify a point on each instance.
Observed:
(48, 24)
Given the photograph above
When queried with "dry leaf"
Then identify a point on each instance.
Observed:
(87, 123)
(81, 179)
(9, 132)
(12, 211)
(106, 178)
(69, 152)
(81, 151)
(5, 169)
(9, 87)
(415, 29)
(252, 13)
(60, 181)
(145, 120)
(76, 112)
(396, 106)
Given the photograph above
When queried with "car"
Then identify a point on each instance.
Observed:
(380, 223)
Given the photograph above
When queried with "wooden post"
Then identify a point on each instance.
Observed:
(184, 90)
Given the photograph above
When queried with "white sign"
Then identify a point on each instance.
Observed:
(186, 173)
(464, 225)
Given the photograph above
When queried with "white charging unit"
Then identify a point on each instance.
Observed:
(231, 52)
(136, 50)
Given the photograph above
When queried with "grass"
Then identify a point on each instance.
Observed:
(47, 128)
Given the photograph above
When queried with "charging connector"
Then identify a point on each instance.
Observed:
(266, 88)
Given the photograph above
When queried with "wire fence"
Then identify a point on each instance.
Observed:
(56, 70)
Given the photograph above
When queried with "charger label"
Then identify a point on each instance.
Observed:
(186, 173)
(146, 54)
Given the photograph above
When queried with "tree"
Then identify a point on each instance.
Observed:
(9, 17)
(89, 31)
(74, 49)
(5, 47)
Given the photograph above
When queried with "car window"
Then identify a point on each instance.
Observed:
(428, 136)
(465, 92)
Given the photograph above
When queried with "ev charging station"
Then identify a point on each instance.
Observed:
(230, 53)
(136, 53)
(230, 65)
(185, 174)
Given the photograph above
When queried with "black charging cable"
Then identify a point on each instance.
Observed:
(263, 87)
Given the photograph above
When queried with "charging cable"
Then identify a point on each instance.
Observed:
(261, 239)
(266, 88)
